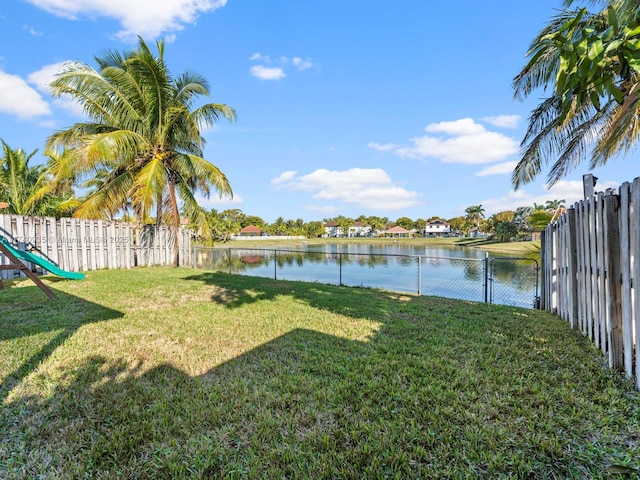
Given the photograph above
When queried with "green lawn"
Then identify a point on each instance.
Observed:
(180, 373)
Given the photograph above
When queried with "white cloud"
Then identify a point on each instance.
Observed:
(215, 201)
(31, 30)
(461, 141)
(41, 79)
(568, 190)
(17, 98)
(367, 188)
(387, 147)
(284, 177)
(464, 126)
(498, 169)
(267, 73)
(259, 56)
(148, 18)
(301, 64)
(504, 121)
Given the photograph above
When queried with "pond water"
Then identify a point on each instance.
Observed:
(444, 271)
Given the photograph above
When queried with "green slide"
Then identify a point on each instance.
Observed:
(29, 257)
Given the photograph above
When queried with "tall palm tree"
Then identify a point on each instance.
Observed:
(143, 130)
(590, 62)
(474, 214)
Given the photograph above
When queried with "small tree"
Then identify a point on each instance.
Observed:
(521, 222)
(506, 231)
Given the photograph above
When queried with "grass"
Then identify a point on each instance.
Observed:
(179, 373)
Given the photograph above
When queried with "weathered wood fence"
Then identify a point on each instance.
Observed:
(80, 245)
(591, 270)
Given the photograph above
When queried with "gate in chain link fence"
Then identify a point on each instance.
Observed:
(508, 278)
(503, 280)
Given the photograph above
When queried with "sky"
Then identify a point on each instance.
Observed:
(393, 109)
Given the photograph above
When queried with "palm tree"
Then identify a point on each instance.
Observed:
(553, 205)
(28, 190)
(18, 180)
(474, 214)
(144, 132)
(591, 64)
(279, 227)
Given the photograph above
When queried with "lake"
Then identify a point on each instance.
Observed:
(443, 271)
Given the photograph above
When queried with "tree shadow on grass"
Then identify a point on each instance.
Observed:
(31, 322)
(233, 291)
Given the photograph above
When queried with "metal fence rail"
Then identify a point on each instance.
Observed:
(506, 281)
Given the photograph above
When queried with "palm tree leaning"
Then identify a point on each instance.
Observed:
(590, 64)
(142, 138)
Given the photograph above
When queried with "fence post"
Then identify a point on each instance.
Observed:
(572, 274)
(340, 264)
(419, 275)
(229, 259)
(543, 270)
(275, 264)
(486, 277)
(613, 281)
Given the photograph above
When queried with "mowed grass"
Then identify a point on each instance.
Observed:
(180, 373)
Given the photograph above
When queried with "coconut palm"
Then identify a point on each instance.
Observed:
(279, 227)
(553, 205)
(590, 62)
(474, 214)
(143, 130)
(18, 180)
(28, 190)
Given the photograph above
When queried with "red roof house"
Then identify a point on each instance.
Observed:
(251, 231)
(397, 232)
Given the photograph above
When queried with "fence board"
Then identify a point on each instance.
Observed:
(635, 280)
(612, 278)
(601, 289)
(625, 265)
(83, 245)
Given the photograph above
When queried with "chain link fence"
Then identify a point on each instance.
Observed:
(498, 280)
(509, 281)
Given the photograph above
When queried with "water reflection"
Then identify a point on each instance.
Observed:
(440, 271)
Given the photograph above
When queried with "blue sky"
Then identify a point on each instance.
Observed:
(344, 107)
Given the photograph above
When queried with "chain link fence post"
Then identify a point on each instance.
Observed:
(419, 275)
(486, 277)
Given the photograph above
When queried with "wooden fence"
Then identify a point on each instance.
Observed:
(591, 270)
(80, 245)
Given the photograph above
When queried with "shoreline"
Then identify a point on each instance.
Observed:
(517, 248)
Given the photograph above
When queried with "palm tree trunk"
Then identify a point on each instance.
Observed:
(175, 223)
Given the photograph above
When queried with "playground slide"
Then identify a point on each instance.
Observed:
(29, 257)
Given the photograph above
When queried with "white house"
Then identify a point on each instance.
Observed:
(359, 229)
(437, 228)
(331, 229)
